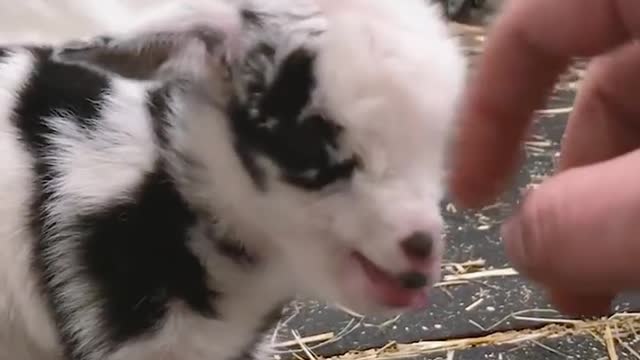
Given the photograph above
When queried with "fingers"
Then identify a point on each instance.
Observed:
(605, 122)
(578, 231)
(529, 46)
(603, 125)
(558, 237)
(580, 305)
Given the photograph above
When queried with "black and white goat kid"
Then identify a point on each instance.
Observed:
(165, 190)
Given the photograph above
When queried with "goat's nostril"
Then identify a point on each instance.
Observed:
(418, 246)
(412, 280)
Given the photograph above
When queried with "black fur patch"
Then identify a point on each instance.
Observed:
(159, 109)
(56, 87)
(135, 252)
(252, 18)
(236, 252)
(262, 49)
(299, 146)
(4, 52)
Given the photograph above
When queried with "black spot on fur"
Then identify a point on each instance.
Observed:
(254, 71)
(251, 17)
(134, 252)
(158, 105)
(264, 49)
(56, 88)
(105, 40)
(4, 53)
(137, 252)
(292, 87)
(301, 147)
(236, 252)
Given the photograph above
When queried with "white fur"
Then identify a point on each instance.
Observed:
(387, 72)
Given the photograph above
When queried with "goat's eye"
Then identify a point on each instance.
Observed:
(321, 160)
(325, 178)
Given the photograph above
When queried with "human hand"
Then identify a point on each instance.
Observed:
(575, 234)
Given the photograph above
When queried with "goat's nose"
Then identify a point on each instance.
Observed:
(418, 245)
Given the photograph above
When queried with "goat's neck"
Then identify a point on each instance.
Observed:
(210, 174)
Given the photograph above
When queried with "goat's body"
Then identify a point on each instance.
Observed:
(165, 190)
(95, 225)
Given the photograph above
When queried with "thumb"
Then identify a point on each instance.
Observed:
(579, 230)
(580, 304)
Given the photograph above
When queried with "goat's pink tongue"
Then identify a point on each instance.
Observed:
(389, 289)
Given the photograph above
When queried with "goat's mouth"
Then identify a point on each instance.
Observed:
(405, 290)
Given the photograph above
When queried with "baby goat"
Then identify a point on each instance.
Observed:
(165, 190)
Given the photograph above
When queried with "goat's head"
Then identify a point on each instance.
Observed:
(338, 117)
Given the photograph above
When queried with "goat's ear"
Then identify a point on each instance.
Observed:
(171, 42)
(162, 54)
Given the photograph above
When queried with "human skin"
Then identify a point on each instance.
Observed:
(575, 235)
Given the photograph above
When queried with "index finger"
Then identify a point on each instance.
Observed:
(531, 43)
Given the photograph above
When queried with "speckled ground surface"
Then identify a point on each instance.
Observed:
(478, 307)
